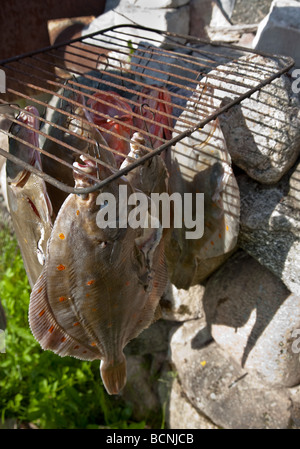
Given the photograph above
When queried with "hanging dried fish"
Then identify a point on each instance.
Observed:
(29, 203)
(100, 287)
(201, 163)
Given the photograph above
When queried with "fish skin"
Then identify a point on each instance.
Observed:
(201, 163)
(99, 288)
(56, 117)
(28, 200)
(152, 175)
(161, 119)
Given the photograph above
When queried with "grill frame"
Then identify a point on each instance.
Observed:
(287, 63)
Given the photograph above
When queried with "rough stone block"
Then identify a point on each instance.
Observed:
(219, 388)
(253, 317)
(182, 305)
(175, 20)
(263, 132)
(270, 226)
(279, 31)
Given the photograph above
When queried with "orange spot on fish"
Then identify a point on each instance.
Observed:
(84, 352)
(212, 243)
(51, 329)
(91, 282)
(127, 283)
(61, 267)
(40, 289)
(227, 228)
(62, 298)
(76, 324)
(76, 347)
(42, 313)
(61, 236)
(93, 343)
(87, 295)
(109, 325)
(77, 213)
(63, 339)
(220, 236)
(94, 310)
(156, 284)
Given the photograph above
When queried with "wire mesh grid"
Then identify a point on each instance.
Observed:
(128, 79)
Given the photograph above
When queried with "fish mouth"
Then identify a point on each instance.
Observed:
(30, 116)
(85, 167)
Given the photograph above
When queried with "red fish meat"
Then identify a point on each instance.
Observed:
(113, 113)
(155, 115)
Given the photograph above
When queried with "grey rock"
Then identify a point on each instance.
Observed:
(151, 340)
(219, 388)
(227, 6)
(148, 65)
(253, 318)
(246, 12)
(182, 305)
(139, 391)
(263, 132)
(279, 31)
(270, 226)
(208, 13)
(179, 412)
(175, 20)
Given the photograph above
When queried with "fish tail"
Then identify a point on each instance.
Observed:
(113, 374)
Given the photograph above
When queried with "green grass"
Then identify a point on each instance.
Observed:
(38, 386)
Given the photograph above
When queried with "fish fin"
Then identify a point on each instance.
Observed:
(157, 314)
(113, 375)
(48, 332)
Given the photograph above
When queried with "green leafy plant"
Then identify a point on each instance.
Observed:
(38, 386)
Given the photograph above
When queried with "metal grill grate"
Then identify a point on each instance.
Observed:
(129, 61)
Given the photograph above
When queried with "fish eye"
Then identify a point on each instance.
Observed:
(103, 245)
(16, 128)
